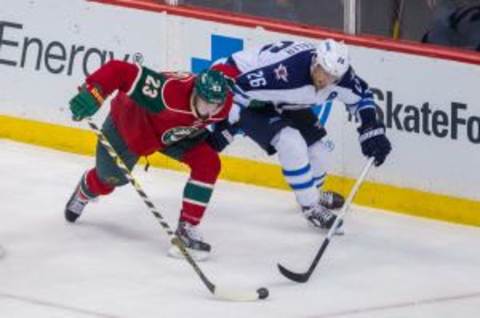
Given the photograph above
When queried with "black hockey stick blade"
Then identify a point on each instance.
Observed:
(297, 277)
(303, 277)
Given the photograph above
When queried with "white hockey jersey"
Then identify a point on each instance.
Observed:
(280, 73)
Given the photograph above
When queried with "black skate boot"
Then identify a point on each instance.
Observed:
(331, 200)
(320, 217)
(191, 237)
(76, 204)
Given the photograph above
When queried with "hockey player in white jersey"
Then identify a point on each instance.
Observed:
(275, 90)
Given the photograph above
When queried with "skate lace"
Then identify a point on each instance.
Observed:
(320, 213)
(192, 232)
(77, 205)
(326, 198)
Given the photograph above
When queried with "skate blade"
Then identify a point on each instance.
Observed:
(198, 256)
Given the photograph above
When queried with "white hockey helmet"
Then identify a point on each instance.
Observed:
(333, 57)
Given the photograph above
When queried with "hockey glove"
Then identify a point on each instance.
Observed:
(86, 102)
(372, 138)
(222, 135)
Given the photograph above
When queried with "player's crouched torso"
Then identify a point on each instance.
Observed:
(152, 122)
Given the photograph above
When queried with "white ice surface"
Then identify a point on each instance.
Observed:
(112, 262)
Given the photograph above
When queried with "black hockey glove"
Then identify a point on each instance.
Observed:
(372, 137)
(222, 135)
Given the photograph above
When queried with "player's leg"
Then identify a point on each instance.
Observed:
(312, 132)
(205, 166)
(274, 135)
(318, 154)
(293, 156)
(104, 177)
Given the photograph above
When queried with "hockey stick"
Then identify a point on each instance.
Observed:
(303, 277)
(233, 295)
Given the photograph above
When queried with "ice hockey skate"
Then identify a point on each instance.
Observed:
(331, 200)
(76, 204)
(192, 238)
(322, 218)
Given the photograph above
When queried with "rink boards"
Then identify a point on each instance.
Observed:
(428, 97)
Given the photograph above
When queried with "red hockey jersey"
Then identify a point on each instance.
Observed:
(153, 110)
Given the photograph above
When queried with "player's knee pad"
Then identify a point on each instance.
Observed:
(318, 154)
(204, 163)
(293, 156)
(289, 141)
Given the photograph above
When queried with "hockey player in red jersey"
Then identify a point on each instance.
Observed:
(152, 111)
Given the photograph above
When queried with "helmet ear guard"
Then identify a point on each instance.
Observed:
(211, 86)
(333, 57)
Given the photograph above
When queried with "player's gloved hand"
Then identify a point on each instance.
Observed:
(86, 102)
(372, 138)
(222, 135)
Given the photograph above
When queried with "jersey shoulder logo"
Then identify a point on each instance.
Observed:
(175, 134)
(281, 73)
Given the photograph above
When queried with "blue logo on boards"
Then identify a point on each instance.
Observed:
(222, 46)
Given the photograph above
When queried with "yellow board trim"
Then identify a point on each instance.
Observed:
(382, 196)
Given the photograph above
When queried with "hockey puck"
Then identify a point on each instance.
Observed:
(262, 293)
